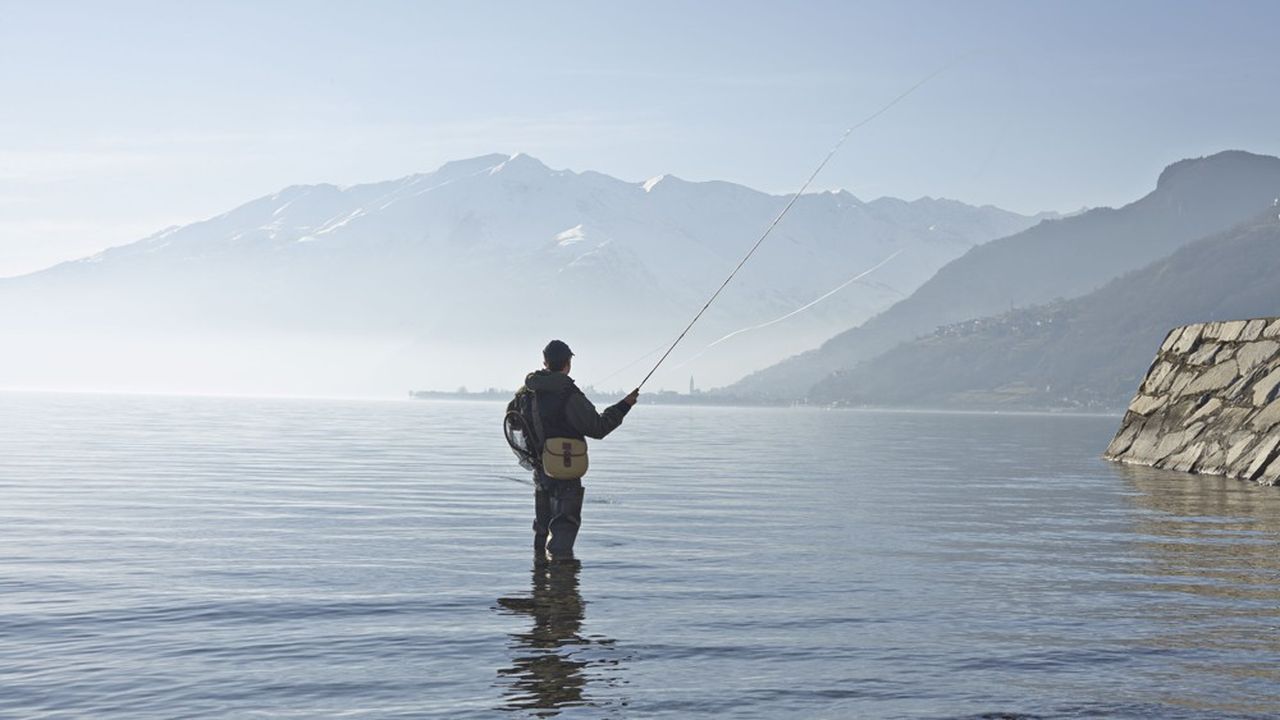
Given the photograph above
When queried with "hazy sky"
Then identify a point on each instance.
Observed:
(117, 119)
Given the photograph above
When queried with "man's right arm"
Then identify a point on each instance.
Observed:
(583, 416)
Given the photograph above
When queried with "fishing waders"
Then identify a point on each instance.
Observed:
(557, 516)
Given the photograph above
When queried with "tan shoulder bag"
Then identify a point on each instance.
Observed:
(564, 458)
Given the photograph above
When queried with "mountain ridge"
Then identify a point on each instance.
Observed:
(1193, 198)
(1090, 352)
(439, 269)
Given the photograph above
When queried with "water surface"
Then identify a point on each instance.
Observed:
(211, 558)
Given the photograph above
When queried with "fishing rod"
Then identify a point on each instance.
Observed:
(830, 154)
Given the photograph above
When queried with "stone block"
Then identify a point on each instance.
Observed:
(1156, 377)
(1193, 431)
(1168, 444)
(1178, 382)
(1240, 433)
(1186, 459)
(1146, 404)
(1190, 335)
(1143, 448)
(1166, 383)
(1205, 353)
(1233, 418)
(1253, 330)
(1254, 354)
(1272, 331)
(1267, 417)
(1231, 330)
(1175, 416)
(1264, 390)
(1263, 455)
(1171, 339)
(1271, 474)
(1215, 378)
(1123, 439)
(1239, 468)
(1236, 451)
(1236, 391)
(1206, 411)
(1212, 461)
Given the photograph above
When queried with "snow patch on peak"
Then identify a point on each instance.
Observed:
(571, 236)
(517, 162)
(281, 209)
(161, 235)
(652, 182)
(335, 223)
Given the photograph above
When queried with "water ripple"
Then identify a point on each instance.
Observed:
(211, 558)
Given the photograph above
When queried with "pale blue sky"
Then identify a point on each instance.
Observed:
(117, 119)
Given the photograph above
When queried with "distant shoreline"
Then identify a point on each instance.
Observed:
(667, 397)
(716, 400)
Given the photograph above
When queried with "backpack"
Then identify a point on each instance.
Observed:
(561, 458)
(522, 426)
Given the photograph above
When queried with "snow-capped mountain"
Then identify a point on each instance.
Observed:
(459, 276)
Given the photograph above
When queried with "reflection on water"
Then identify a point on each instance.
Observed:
(1213, 578)
(550, 669)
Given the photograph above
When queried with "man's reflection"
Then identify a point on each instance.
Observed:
(549, 671)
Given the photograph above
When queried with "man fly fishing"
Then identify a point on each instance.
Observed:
(547, 424)
(549, 418)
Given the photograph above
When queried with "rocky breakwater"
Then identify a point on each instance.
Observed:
(1209, 403)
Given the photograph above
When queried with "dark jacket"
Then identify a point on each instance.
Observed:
(566, 412)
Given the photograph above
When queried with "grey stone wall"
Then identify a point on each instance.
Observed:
(1209, 404)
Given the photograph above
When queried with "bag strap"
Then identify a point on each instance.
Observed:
(540, 435)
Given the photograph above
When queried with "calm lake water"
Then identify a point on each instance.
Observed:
(214, 558)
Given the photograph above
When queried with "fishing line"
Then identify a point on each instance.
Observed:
(860, 276)
(629, 365)
(795, 312)
(831, 153)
